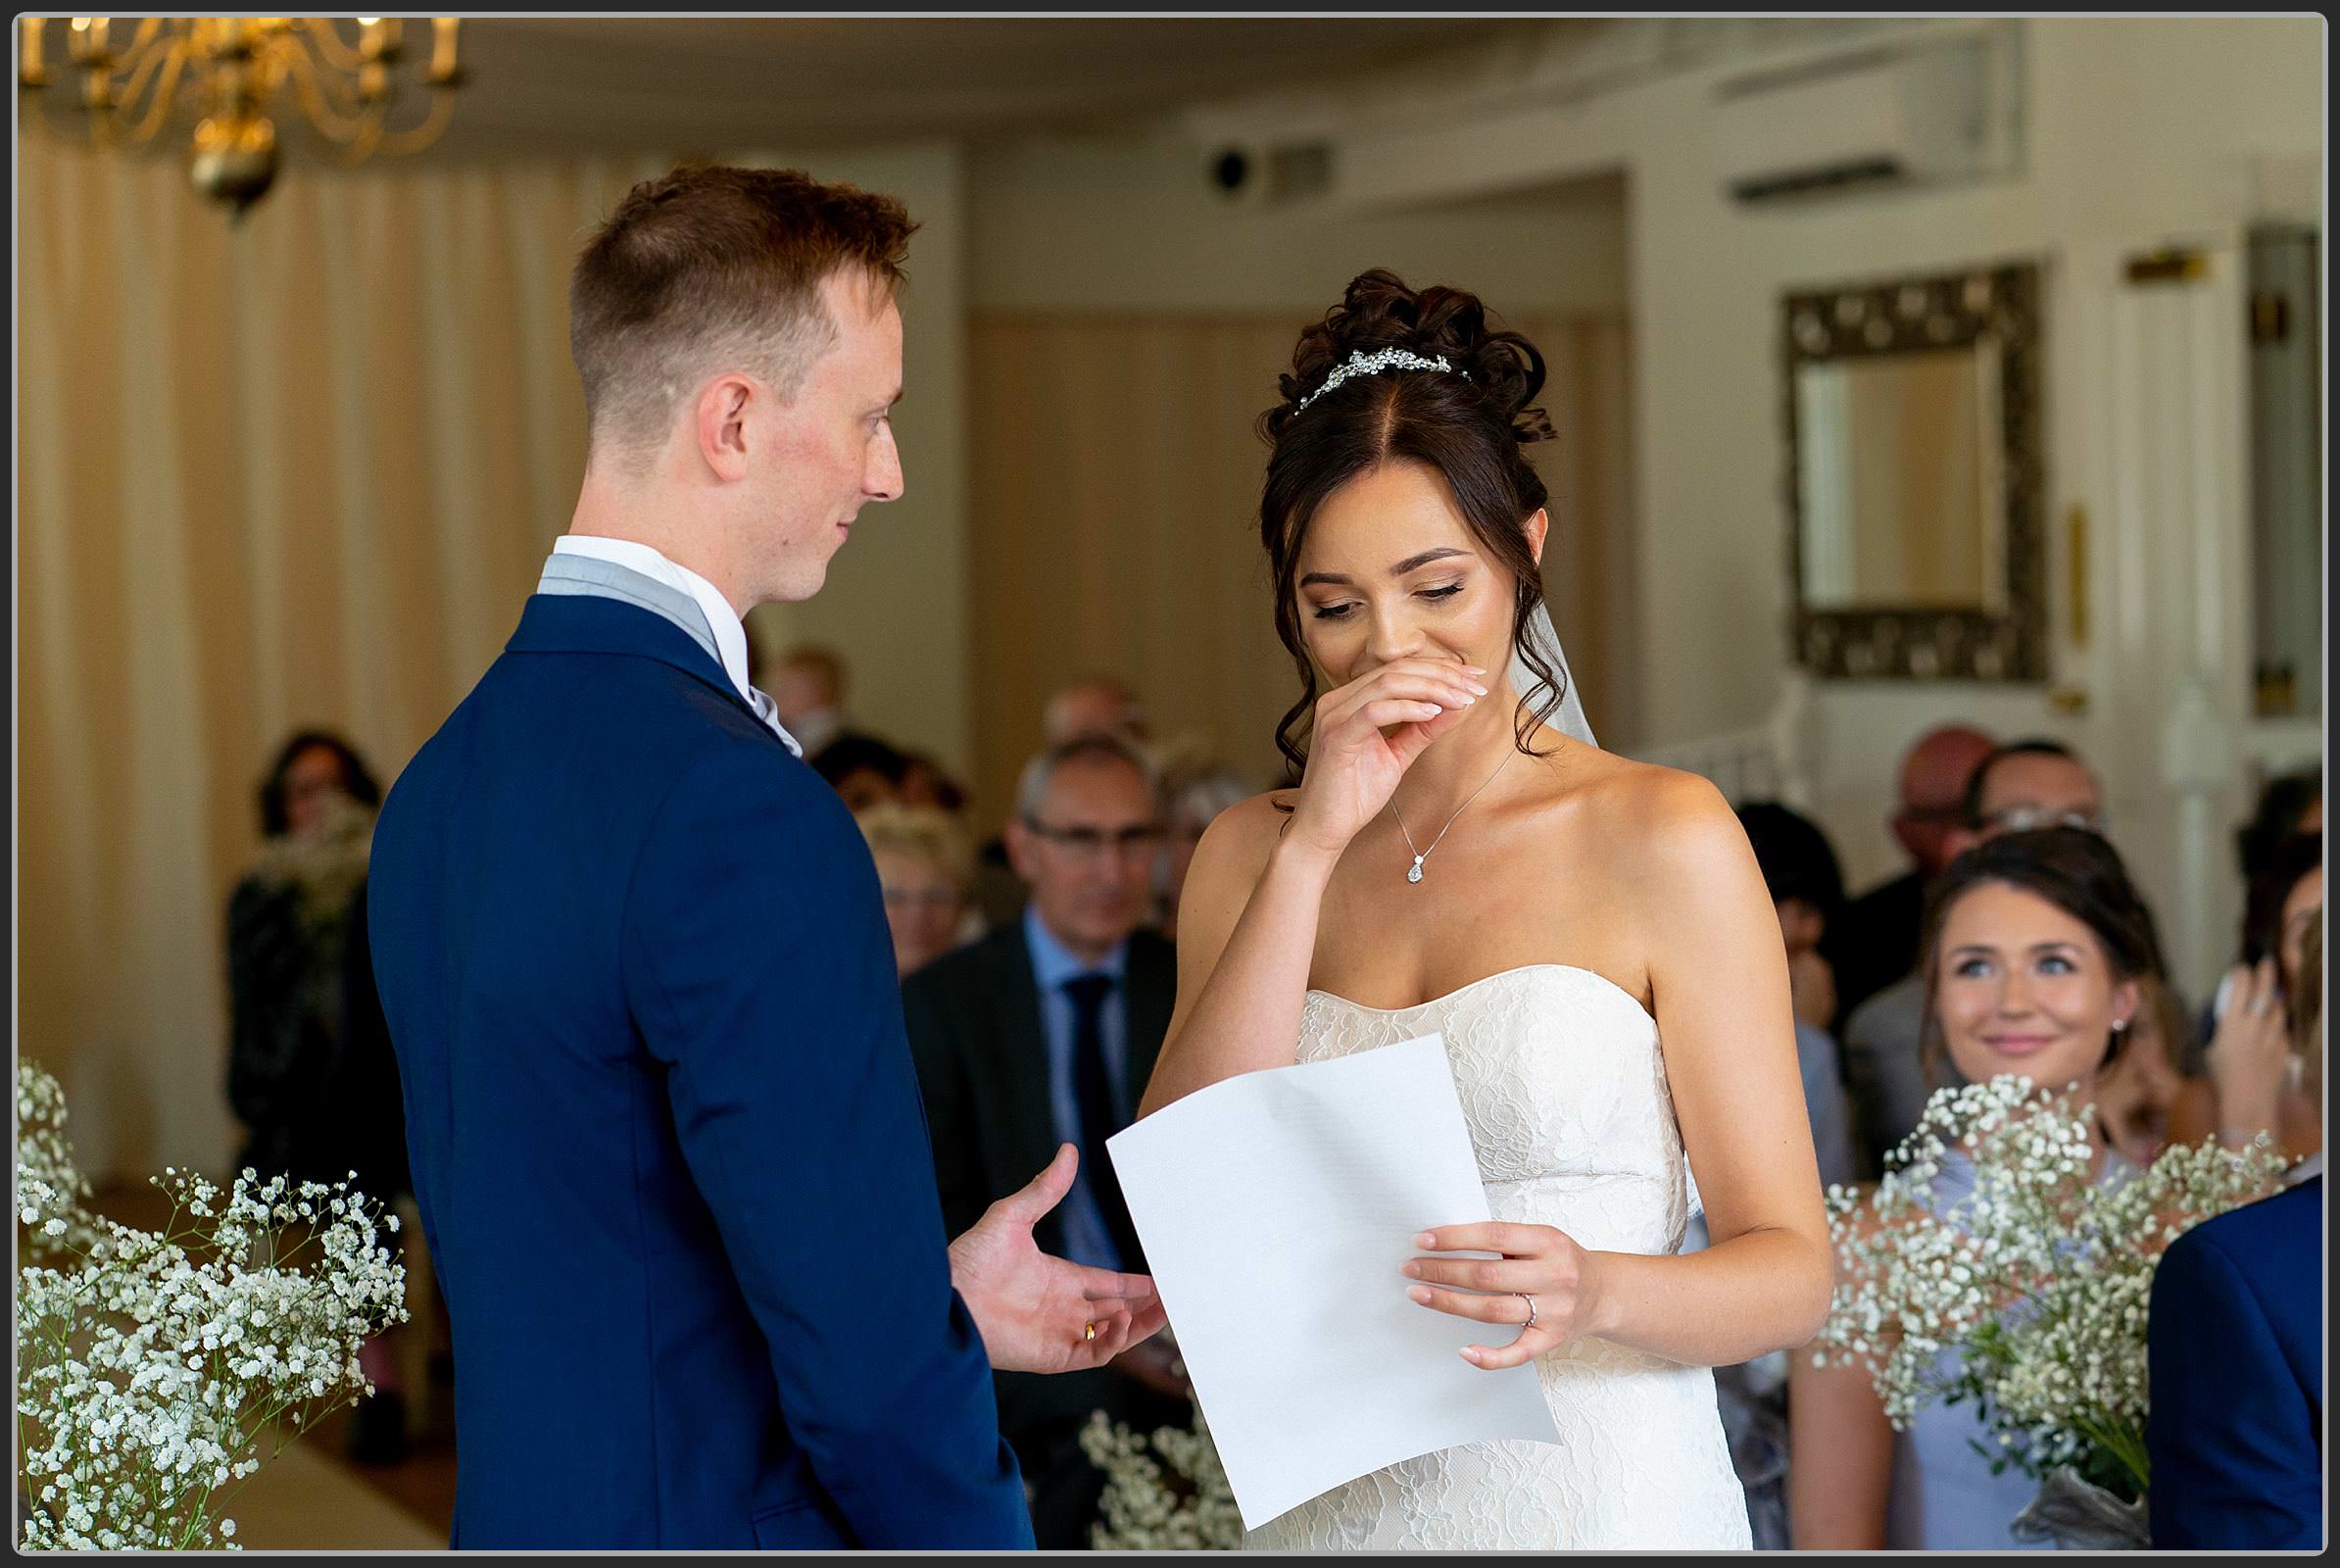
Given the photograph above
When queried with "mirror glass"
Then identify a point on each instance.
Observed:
(1897, 462)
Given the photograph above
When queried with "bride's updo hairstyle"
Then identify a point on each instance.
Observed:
(1468, 428)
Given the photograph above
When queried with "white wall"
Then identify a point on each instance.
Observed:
(1129, 224)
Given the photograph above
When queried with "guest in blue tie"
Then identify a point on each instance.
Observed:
(1045, 1032)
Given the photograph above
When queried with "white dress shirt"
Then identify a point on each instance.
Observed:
(731, 636)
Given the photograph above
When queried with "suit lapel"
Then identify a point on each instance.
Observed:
(1019, 1044)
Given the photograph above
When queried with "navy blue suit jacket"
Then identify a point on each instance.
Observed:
(665, 1132)
(2235, 1355)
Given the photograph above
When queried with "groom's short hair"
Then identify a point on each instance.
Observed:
(712, 263)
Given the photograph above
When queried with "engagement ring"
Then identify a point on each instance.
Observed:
(1531, 1300)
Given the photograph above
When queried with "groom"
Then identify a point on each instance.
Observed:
(665, 1132)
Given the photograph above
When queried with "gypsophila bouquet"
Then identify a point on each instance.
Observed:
(1164, 1492)
(156, 1372)
(2039, 1273)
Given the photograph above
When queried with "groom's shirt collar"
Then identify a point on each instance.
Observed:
(731, 637)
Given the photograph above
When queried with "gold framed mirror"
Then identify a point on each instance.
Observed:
(1915, 541)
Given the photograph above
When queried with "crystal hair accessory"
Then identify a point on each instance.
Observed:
(1361, 362)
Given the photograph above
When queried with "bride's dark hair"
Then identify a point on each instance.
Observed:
(1469, 430)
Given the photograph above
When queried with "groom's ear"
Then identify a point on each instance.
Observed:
(719, 420)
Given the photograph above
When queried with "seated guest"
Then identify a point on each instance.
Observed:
(1096, 705)
(2252, 1075)
(2036, 950)
(286, 934)
(862, 769)
(2234, 1356)
(2290, 807)
(310, 1069)
(2291, 804)
(1799, 867)
(2027, 784)
(1195, 789)
(1807, 889)
(1045, 1032)
(925, 782)
(1876, 942)
(925, 869)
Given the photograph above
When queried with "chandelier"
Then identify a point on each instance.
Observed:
(236, 73)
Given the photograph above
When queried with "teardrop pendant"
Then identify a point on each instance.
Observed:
(1415, 874)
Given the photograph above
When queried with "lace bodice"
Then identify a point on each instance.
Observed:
(1563, 1086)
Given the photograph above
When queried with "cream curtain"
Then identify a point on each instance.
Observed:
(294, 472)
(1116, 487)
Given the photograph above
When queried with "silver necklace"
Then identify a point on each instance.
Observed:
(1414, 873)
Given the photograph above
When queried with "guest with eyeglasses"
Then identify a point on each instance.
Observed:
(2020, 787)
(1873, 942)
(1045, 1032)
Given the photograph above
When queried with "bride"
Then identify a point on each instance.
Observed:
(1450, 861)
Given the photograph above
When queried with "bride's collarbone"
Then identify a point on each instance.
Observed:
(1393, 952)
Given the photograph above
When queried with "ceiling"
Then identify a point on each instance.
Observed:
(727, 84)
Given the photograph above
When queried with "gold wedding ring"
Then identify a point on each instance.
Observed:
(1089, 1330)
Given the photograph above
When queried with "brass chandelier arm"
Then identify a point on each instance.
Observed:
(337, 123)
(433, 127)
(330, 46)
(173, 62)
(361, 146)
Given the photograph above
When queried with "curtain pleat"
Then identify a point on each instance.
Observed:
(293, 471)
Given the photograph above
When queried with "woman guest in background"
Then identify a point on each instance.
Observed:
(285, 932)
(2037, 955)
(2251, 1081)
(310, 1069)
(1195, 789)
(925, 782)
(1452, 864)
(862, 769)
(927, 872)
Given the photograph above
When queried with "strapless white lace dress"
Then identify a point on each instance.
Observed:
(1564, 1087)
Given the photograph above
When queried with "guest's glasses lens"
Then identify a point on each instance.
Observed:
(1092, 844)
(2031, 818)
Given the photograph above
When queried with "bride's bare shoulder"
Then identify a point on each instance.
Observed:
(1239, 840)
(1649, 815)
(1623, 793)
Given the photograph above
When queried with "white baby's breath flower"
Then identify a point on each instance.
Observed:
(2039, 1276)
(127, 1422)
(1174, 1497)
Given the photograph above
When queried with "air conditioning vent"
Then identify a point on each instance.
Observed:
(1929, 112)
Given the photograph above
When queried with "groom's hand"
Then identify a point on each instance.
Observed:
(1039, 1313)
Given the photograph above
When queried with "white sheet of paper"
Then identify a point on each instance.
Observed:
(1277, 1209)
